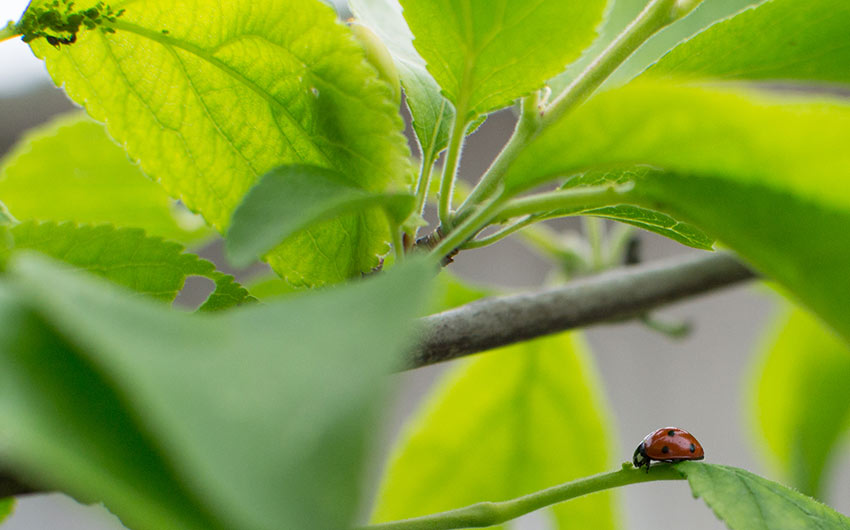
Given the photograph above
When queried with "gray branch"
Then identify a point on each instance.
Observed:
(611, 296)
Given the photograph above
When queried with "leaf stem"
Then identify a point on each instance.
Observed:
(501, 233)
(450, 172)
(398, 242)
(594, 232)
(424, 182)
(492, 513)
(468, 228)
(655, 16)
(579, 199)
(10, 31)
(525, 129)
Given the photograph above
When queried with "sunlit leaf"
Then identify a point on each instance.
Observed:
(208, 100)
(778, 40)
(176, 420)
(69, 170)
(732, 161)
(432, 113)
(802, 399)
(622, 12)
(519, 406)
(485, 55)
(748, 502)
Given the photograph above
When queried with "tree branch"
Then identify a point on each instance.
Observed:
(611, 296)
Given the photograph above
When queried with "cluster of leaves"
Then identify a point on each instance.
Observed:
(59, 23)
(268, 119)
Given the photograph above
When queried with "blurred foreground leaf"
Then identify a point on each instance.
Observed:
(256, 418)
(730, 162)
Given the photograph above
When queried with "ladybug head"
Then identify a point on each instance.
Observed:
(640, 459)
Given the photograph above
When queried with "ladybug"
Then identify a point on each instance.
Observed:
(669, 444)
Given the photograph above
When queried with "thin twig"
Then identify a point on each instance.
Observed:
(611, 296)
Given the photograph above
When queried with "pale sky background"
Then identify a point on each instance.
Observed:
(19, 69)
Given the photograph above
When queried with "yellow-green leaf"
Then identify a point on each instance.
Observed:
(209, 97)
(802, 399)
(484, 54)
(70, 170)
(534, 417)
(765, 174)
(777, 40)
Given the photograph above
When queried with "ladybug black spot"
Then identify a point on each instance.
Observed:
(693, 448)
(665, 449)
(671, 433)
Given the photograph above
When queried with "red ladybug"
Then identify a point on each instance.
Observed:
(669, 444)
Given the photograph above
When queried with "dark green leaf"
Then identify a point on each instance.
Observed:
(291, 199)
(748, 502)
(260, 415)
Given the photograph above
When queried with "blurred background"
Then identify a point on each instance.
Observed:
(698, 383)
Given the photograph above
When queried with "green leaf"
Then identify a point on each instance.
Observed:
(208, 100)
(291, 199)
(449, 291)
(126, 256)
(432, 114)
(748, 502)
(486, 55)
(645, 218)
(732, 161)
(622, 12)
(66, 429)
(802, 399)
(261, 415)
(69, 170)
(536, 419)
(777, 40)
(7, 506)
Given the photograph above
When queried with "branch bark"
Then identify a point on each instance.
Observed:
(616, 295)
